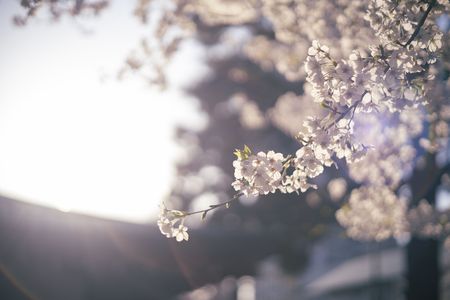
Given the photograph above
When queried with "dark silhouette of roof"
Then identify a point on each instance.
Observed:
(48, 254)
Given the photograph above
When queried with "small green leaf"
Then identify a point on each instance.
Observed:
(238, 154)
(247, 151)
(243, 154)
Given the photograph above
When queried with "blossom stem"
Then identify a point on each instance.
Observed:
(334, 110)
(213, 206)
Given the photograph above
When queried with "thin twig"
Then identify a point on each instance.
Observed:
(213, 206)
(341, 116)
(334, 110)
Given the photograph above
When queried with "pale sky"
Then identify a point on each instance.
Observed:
(72, 141)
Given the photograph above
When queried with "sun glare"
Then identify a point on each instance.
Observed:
(73, 141)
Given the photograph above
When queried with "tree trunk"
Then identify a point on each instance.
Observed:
(423, 274)
(423, 270)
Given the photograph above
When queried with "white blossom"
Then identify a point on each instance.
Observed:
(180, 233)
(258, 174)
(372, 66)
(373, 213)
(170, 223)
(337, 188)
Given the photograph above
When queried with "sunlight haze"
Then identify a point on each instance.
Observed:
(75, 138)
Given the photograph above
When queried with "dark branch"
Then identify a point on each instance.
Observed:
(420, 24)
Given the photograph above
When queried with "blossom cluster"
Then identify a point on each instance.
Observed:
(395, 24)
(250, 116)
(391, 156)
(379, 84)
(425, 220)
(291, 111)
(57, 9)
(376, 88)
(390, 77)
(258, 174)
(297, 23)
(265, 173)
(438, 138)
(171, 224)
(373, 213)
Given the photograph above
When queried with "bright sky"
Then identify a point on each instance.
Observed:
(71, 141)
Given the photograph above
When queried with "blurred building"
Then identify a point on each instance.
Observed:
(338, 269)
(53, 255)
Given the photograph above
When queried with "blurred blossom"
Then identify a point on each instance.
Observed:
(297, 23)
(207, 292)
(373, 213)
(425, 220)
(248, 200)
(216, 12)
(204, 200)
(337, 188)
(313, 199)
(270, 55)
(246, 288)
(291, 110)
(238, 75)
(432, 222)
(191, 184)
(250, 115)
(391, 155)
(231, 42)
(213, 176)
(58, 9)
(447, 243)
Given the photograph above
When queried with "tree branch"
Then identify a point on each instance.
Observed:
(420, 24)
(213, 206)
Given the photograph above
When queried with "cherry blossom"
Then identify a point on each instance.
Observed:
(373, 88)
(373, 213)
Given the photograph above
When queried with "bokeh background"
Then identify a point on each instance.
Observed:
(89, 151)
